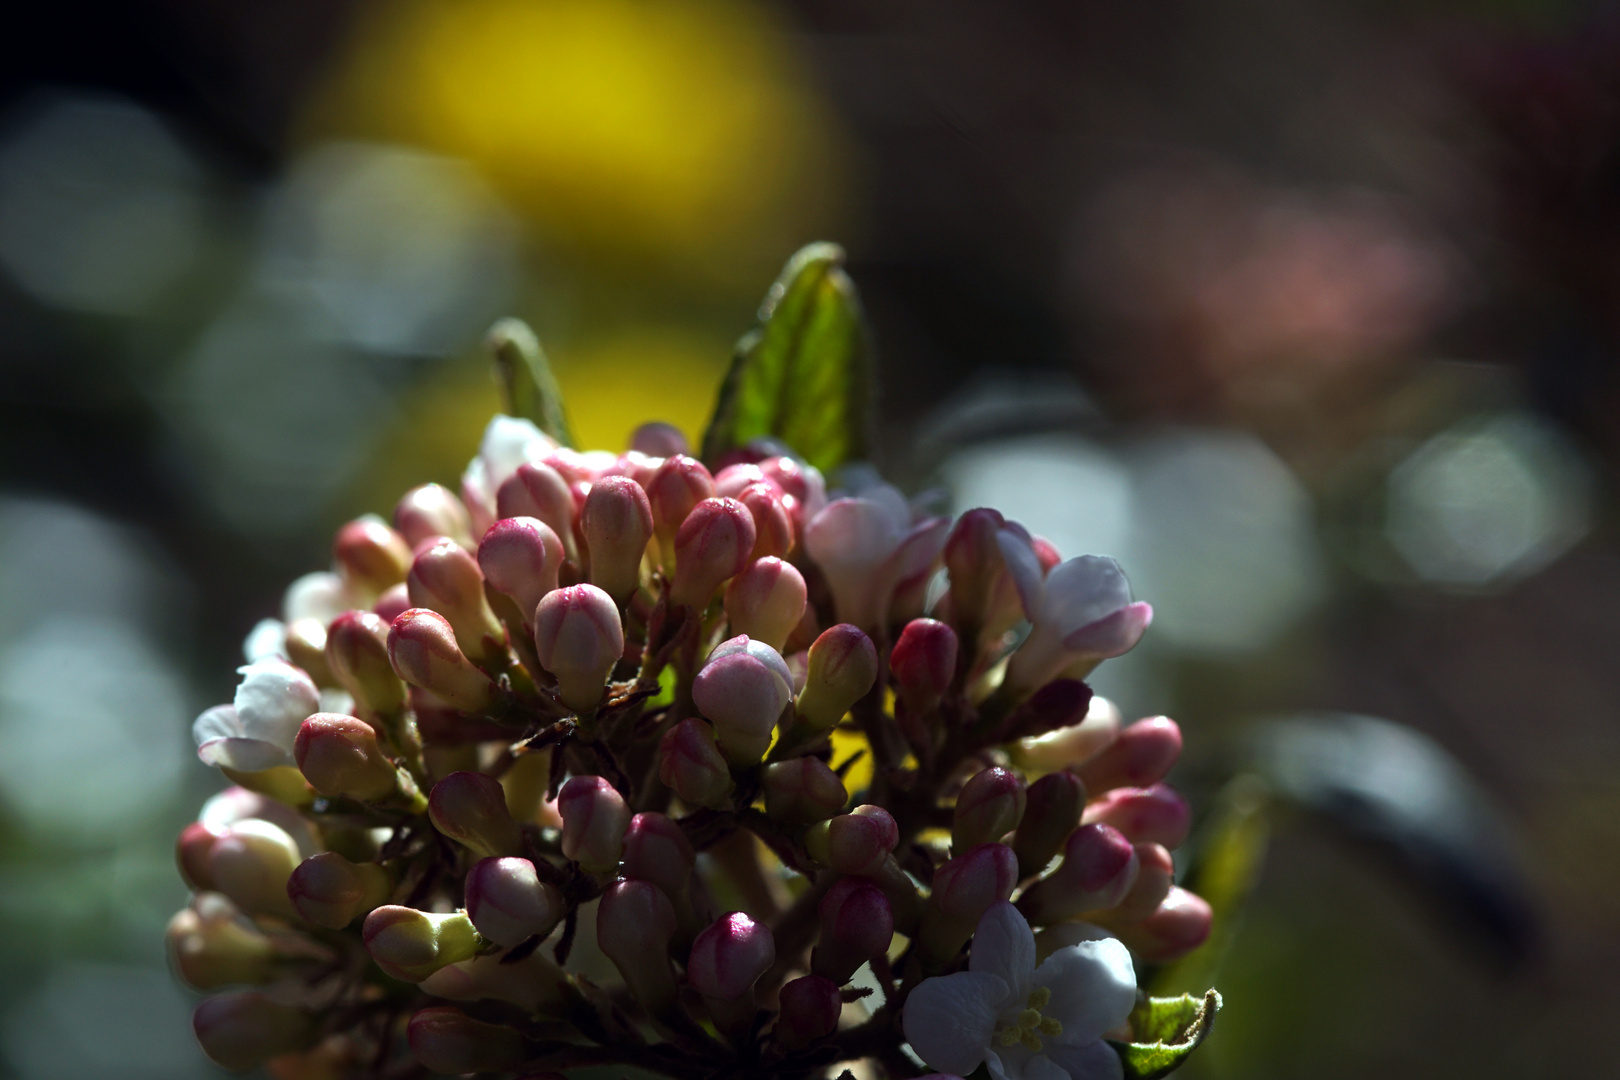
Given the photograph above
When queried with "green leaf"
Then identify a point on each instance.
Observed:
(530, 388)
(1167, 1030)
(803, 374)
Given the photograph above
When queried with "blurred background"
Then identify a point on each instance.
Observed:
(1308, 312)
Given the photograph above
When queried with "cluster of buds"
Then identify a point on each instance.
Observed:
(691, 728)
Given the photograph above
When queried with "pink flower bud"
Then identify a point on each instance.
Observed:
(540, 492)
(578, 636)
(1071, 745)
(924, 664)
(211, 945)
(617, 524)
(595, 819)
(1060, 703)
(242, 1030)
(729, 957)
(691, 765)
(1099, 868)
(1052, 811)
(855, 843)
(357, 656)
(773, 527)
(712, 545)
(191, 854)
(964, 889)
(843, 665)
(340, 758)
(678, 485)
(445, 577)
(508, 902)
(371, 555)
(857, 924)
(658, 439)
(990, 806)
(810, 1007)
(1142, 755)
(394, 602)
(732, 479)
(637, 466)
(470, 808)
(974, 561)
(634, 924)
(801, 790)
(411, 945)
(520, 556)
(329, 890)
(1156, 876)
(250, 863)
(422, 648)
(1150, 815)
(305, 643)
(742, 690)
(766, 601)
(1083, 616)
(804, 492)
(657, 850)
(1177, 926)
(432, 510)
(447, 1040)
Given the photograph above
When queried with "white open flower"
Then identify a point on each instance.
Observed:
(867, 547)
(508, 442)
(1022, 1021)
(256, 731)
(1083, 615)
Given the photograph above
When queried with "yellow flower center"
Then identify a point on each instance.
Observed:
(1031, 1023)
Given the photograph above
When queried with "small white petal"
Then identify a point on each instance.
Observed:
(1083, 591)
(1093, 988)
(1093, 1060)
(1062, 935)
(267, 638)
(317, 596)
(508, 442)
(949, 1019)
(1004, 946)
(1041, 1067)
(219, 722)
(243, 755)
(1018, 554)
(273, 700)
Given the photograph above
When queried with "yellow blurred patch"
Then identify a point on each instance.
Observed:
(845, 745)
(612, 385)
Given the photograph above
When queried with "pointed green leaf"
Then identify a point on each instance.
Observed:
(1167, 1030)
(803, 374)
(530, 388)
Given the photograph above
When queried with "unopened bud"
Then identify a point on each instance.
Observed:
(658, 439)
(742, 690)
(470, 808)
(305, 643)
(802, 790)
(803, 489)
(340, 758)
(1072, 745)
(432, 510)
(371, 555)
(691, 765)
(1052, 811)
(242, 1030)
(411, 945)
(520, 557)
(729, 957)
(616, 523)
(730, 481)
(766, 601)
(191, 854)
(445, 577)
(712, 545)
(1142, 755)
(773, 527)
(1177, 926)
(394, 602)
(1153, 883)
(855, 843)
(357, 654)
(1150, 815)
(595, 819)
(540, 492)
(1099, 868)
(810, 1007)
(974, 562)
(924, 663)
(578, 637)
(508, 902)
(990, 806)
(678, 485)
(634, 924)
(534, 983)
(329, 890)
(843, 665)
(250, 863)
(657, 850)
(857, 924)
(212, 946)
(964, 888)
(448, 1041)
(422, 648)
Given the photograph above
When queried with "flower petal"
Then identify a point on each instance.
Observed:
(1041, 1067)
(1018, 554)
(267, 638)
(219, 722)
(1093, 1060)
(949, 1019)
(1114, 635)
(1093, 988)
(1004, 946)
(508, 442)
(273, 700)
(318, 595)
(1081, 591)
(243, 755)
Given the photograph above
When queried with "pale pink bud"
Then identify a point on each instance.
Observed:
(422, 648)
(678, 485)
(432, 510)
(966, 886)
(866, 547)
(766, 601)
(191, 854)
(1156, 876)
(691, 765)
(712, 545)
(657, 850)
(520, 556)
(394, 602)
(974, 561)
(635, 922)
(1083, 616)
(340, 758)
(304, 641)
(211, 945)
(370, 555)
(742, 690)
(579, 467)
(250, 863)
(538, 491)
(595, 819)
(1052, 811)
(508, 902)
(1072, 745)
(329, 890)
(843, 666)
(616, 524)
(810, 1007)
(357, 656)
(244, 1029)
(801, 790)
(854, 843)
(990, 805)
(1150, 815)
(578, 637)
(637, 466)
(804, 492)
(773, 527)
(445, 577)
(411, 945)
(729, 957)
(924, 663)
(1099, 868)
(658, 439)
(857, 924)
(470, 808)
(1142, 755)
(1177, 926)
(447, 1040)
(730, 481)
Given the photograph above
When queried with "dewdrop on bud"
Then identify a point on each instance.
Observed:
(340, 758)
(857, 924)
(1141, 755)
(422, 648)
(678, 485)
(432, 510)
(712, 545)
(595, 819)
(411, 945)
(1099, 867)
(520, 556)
(766, 601)
(843, 665)
(924, 663)
(773, 527)
(448, 1041)
(858, 842)
(357, 655)
(690, 764)
(539, 491)
(370, 555)
(990, 805)
(329, 890)
(727, 959)
(250, 863)
(801, 790)
(809, 1010)
(635, 922)
(617, 524)
(658, 439)
(445, 577)
(508, 902)
(1150, 815)
(657, 850)
(964, 888)
(211, 945)
(1052, 810)
(470, 808)
(242, 1030)
(742, 690)
(578, 636)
